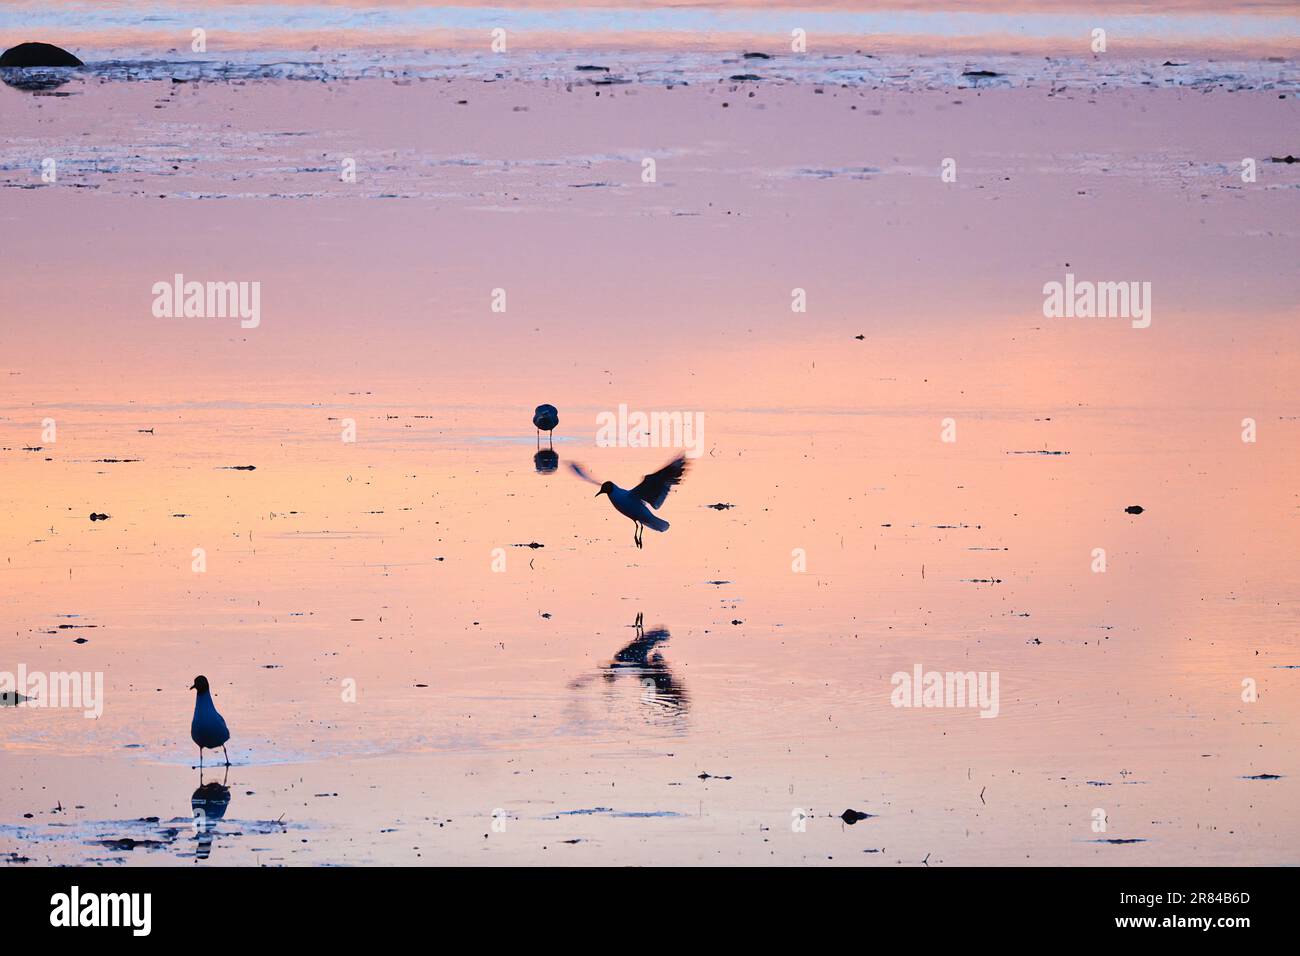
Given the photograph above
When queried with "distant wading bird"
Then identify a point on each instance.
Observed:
(208, 728)
(652, 491)
(545, 418)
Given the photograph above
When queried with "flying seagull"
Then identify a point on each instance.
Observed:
(545, 418)
(652, 491)
(208, 728)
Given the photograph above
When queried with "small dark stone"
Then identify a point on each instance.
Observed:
(852, 816)
(1134, 509)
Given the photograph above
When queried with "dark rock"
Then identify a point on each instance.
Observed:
(851, 816)
(1134, 509)
(37, 54)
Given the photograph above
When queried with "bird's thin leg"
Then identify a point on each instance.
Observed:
(226, 755)
(550, 438)
(539, 438)
(200, 758)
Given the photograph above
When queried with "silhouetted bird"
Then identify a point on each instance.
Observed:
(652, 491)
(208, 728)
(545, 419)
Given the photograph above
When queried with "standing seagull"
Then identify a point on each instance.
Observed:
(652, 491)
(208, 728)
(545, 418)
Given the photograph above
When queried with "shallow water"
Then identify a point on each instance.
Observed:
(506, 708)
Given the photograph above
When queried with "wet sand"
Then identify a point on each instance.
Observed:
(525, 693)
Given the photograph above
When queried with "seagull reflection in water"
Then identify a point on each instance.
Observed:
(209, 803)
(663, 696)
(546, 461)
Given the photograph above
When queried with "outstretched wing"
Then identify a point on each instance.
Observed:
(654, 488)
(577, 470)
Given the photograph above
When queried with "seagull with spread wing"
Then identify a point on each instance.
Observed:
(652, 491)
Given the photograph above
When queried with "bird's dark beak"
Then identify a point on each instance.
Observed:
(598, 494)
(191, 687)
